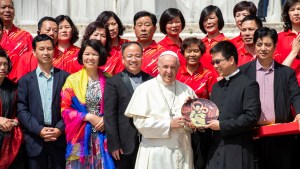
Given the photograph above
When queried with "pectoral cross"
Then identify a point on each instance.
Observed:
(171, 114)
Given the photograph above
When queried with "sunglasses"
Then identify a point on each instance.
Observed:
(217, 61)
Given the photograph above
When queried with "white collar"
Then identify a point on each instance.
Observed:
(232, 74)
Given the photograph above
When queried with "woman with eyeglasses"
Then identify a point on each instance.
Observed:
(211, 23)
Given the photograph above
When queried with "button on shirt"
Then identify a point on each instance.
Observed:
(135, 80)
(46, 88)
(265, 79)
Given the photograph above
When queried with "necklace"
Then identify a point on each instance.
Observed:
(170, 106)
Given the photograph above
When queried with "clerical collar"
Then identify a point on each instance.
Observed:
(232, 74)
(133, 75)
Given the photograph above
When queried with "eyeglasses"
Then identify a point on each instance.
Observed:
(217, 61)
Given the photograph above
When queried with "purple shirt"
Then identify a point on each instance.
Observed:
(265, 79)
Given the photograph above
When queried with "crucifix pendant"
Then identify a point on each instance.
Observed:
(171, 114)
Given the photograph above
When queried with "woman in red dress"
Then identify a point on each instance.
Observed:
(193, 73)
(67, 52)
(116, 29)
(171, 24)
(201, 81)
(288, 45)
(211, 23)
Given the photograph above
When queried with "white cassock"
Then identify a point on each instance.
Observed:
(161, 147)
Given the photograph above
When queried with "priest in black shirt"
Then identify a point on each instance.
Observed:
(237, 98)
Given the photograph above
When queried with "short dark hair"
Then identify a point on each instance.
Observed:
(254, 18)
(93, 43)
(4, 55)
(287, 23)
(192, 40)
(104, 17)
(167, 16)
(126, 44)
(40, 38)
(43, 19)
(75, 33)
(227, 50)
(90, 29)
(142, 14)
(207, 11)
(245, 5)
(264, 32)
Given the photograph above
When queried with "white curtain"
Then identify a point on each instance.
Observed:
(86, 11)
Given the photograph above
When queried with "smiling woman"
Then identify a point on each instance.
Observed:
(116, 30)
(171, 24)
(82, 110)
(67, 35)
(211, 23)
(193, 73)
(287, 48)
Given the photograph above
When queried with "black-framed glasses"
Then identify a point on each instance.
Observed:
(217, 61)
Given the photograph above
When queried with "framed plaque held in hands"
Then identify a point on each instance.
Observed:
(200, 111)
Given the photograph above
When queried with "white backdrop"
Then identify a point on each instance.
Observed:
(85, 11)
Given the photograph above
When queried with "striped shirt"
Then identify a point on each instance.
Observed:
(265, 79)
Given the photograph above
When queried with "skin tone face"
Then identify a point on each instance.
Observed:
(239, 16)
(7, 11)
(3, 68)
(90, 58)
(222, 66)
(174, 27)
(144, 29)
(44, 52)
(264, 49)
(132, 58)
(113, 28)
(192, 55)
(64, 31)
(294, 14)
(50, 28)
(168, 67)
(247, 31)
(100, 35)
(211, 24)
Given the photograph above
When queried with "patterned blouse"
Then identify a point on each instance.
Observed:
(93, 97)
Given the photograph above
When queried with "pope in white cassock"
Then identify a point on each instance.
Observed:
(156, 111)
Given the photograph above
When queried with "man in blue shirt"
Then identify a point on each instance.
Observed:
(39, 109)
